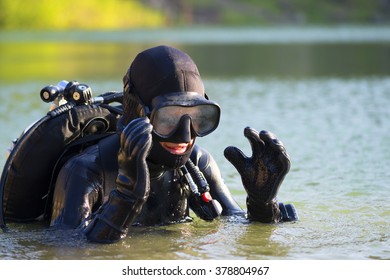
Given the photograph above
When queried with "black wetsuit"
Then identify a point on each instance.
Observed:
(86, 180)
(115, 173)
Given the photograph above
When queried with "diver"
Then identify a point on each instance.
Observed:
(151, 172)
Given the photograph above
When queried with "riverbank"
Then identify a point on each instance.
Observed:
(117, 14)
(271, 12)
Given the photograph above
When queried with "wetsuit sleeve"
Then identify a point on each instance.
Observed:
(112, 220)
(77, 190)
(218, 189)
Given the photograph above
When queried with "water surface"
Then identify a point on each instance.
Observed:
(327, 99)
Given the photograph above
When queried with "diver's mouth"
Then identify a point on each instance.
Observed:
(176, 148)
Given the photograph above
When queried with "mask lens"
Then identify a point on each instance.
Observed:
(204, 119)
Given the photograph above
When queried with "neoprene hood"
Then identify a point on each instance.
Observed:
(159, 71)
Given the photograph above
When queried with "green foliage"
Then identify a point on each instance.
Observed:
(124, 14)
(305, 11)
(73, 14)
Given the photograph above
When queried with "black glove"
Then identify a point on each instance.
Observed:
(125, 202)
(261, 174)
(133, 172)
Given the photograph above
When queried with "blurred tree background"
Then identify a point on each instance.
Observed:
(125, 14)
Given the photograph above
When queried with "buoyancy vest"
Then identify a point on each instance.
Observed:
(30, 169)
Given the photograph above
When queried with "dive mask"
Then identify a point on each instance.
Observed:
(170, 110)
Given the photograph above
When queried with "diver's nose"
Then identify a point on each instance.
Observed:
(183, 131)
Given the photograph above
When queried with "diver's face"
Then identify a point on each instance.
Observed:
(182, 139)
(177, 148)
(179, 117)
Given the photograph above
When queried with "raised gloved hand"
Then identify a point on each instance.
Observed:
(262, 175)
(112, 220)
(133, 171)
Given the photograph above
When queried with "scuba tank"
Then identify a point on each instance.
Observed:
(74, 122)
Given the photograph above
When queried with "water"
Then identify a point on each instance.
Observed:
(325, 94)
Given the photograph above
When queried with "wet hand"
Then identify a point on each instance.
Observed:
(263, 172)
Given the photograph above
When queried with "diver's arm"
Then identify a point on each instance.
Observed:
(218, 190)
(78, 188)
(112, 220)
(262, 174)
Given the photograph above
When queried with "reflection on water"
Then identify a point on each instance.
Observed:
(197, 240)
(258, 52)
(57, 61)
(327, 102)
